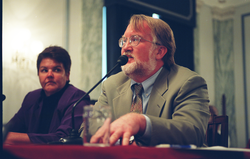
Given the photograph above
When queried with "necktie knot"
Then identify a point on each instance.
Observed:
(138, 89)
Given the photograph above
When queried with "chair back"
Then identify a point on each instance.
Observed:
(215, 137)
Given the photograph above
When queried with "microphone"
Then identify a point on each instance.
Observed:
(122, 60)
(74, 138)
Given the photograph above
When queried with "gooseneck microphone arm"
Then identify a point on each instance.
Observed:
(74, 137)
(122, 60)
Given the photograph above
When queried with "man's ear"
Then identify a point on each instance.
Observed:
(162, 50)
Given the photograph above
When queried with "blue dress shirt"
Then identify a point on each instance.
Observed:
(147, 88)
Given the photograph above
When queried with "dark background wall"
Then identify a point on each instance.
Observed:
(179, 14)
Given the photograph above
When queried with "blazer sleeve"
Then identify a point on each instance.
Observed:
(188, 105)
(61, 124)
(20, 121)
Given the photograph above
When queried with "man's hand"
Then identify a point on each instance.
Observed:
(126, 126)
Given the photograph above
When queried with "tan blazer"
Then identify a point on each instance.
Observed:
(177, 107)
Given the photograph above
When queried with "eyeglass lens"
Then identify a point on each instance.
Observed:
(133, 41)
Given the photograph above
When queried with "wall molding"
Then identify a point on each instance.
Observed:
(223, 14)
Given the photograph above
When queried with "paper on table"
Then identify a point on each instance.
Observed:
(216, 148)
(177, 146)
(221, 148)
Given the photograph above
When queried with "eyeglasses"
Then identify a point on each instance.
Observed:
(134, 40)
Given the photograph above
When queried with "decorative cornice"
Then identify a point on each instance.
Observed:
(223, 14)
(199, 4)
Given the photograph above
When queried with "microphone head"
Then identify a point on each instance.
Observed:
(122, 60)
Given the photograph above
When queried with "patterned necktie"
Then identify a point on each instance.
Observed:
(137, 102)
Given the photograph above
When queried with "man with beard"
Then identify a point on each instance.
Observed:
(173, 108)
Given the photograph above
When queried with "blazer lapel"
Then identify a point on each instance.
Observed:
(122, 103)
(156, 101)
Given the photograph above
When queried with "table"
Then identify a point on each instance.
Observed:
(114, 152)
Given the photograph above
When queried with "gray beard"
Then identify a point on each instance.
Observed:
(138, 69)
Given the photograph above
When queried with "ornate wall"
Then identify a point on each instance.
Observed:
(215, 53)
(91, 58)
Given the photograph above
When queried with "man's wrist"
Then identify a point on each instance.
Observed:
(142, 125)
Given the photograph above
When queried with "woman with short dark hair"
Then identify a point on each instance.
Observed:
(45, 114)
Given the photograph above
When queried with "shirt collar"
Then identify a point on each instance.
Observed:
(148, 82)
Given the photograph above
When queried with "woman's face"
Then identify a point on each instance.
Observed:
(52, 76)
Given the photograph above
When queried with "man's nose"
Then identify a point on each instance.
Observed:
(127, 43)
(127, 46)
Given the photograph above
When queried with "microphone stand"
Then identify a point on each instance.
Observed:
(74, 138)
